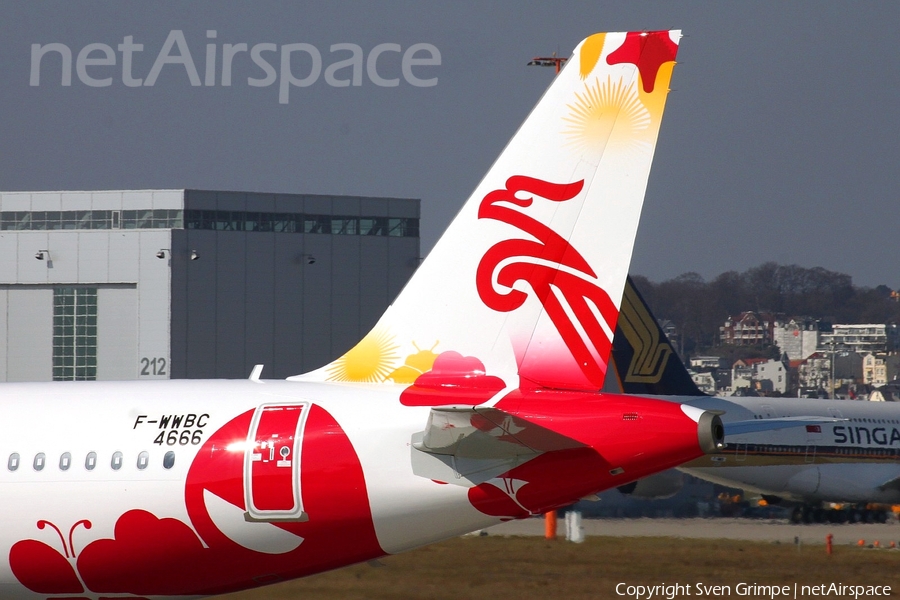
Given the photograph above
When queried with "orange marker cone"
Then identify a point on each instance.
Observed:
(550, 525)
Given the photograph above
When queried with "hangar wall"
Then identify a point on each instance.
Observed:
(286, 280)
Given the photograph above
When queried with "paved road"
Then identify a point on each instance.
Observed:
(735, 529)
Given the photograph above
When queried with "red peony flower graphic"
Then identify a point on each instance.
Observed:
(454, 379)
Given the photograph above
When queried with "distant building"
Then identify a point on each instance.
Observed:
(814, 373)
(743, 372)
(773, 374)
(794, 374)
(748, 329)
(861, 337)
(880, 369)
(799, 337)
(723, 379)
(764, 375)
(705, 382)
(848, 367)
(707, 363)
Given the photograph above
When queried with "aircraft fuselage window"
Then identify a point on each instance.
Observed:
(90, 461)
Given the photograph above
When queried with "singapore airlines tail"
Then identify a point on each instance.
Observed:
(644, 360)
(523, 290)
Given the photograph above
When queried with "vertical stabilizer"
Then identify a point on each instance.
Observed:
(524, 287)
(643, 357)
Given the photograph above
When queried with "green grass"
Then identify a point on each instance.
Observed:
(494, 568)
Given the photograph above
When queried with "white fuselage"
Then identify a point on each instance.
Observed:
(849, 461)
(195, 488)
(99, 423)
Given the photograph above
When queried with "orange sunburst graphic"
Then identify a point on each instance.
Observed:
(605, 114)
(369, 361)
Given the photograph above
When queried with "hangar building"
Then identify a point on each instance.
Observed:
(157, 284)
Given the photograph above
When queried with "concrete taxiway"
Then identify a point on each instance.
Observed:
(720, 528)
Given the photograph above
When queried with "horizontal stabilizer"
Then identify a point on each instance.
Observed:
(487, 433)
(468, 446)
(757, 425)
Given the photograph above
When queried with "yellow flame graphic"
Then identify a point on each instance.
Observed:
(591, 50)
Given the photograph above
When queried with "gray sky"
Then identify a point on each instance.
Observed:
(780, 140)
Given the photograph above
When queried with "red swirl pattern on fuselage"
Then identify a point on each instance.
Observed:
(538, 265)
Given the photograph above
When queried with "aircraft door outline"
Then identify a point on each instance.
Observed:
(741, 449)
(813, 439)
(810, 453)
(272, 464)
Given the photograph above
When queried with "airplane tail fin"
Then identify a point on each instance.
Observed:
(523, 288)
(645, 361)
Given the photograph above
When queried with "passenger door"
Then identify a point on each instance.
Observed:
(272, 463)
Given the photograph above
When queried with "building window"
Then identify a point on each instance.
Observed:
(219, 220)
(373, 226)
(91, 219)
(74, 334)
(317, 224)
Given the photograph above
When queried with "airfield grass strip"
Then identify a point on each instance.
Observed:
(495, 567)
